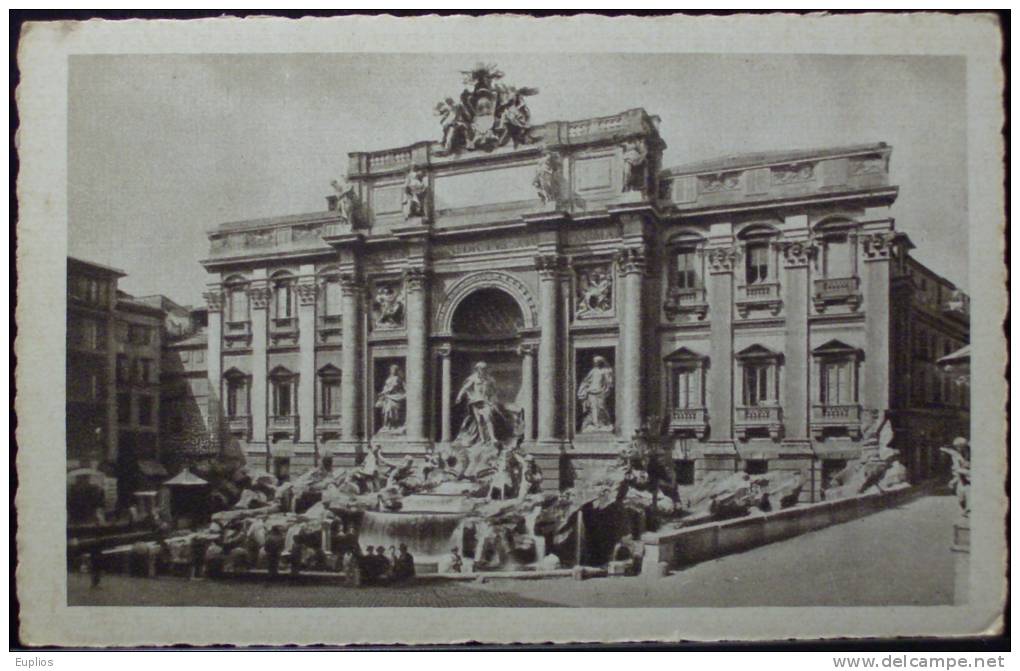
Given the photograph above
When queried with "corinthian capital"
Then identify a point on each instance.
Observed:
(259, 296)
(549, 265)
(632, 260)
(214, 300)
(798, 253)
(307, 291)
(351, 284)
(722, 259)
(415, 279)
(877, 246)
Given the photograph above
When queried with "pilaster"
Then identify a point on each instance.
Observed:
(416, 291)
(632, 265)
(721, 262)
(259, 296)
(878, 249)
(214, 363)
(445, 429)
(307, 291)
(796, 256)
(352, 289)
(551, 268)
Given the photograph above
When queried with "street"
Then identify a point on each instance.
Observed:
(900, 556)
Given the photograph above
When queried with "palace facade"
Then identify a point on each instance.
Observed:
(752, 313)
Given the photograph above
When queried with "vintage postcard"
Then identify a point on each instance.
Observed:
(504, 329)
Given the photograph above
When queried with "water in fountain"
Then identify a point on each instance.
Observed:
(428, 535)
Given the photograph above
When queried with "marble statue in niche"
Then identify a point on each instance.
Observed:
(391, 402)
(388, 306)
(594, 292)
(487, 421)
(635, 156)
(595, 394)
(547, 179)
(415, 193)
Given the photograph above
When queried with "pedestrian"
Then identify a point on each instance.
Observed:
(404, 566)
(455, 563)
(392, 555)
(367, 564)
(95, 566)
(383, 565)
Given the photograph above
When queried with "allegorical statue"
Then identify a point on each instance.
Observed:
(635, 155)
(488, 114)
(346, 200)
(391, 401)
(595, 394)
(388, 304)
(486, 422)
(415, 193)
(547, 179)
(594, 293)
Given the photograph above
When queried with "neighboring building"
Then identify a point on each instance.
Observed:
(749, 311)
(184, 422)
(91, 421)
(139, 337)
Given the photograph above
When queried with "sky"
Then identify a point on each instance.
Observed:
(164, 147)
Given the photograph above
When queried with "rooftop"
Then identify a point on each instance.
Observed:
(96, 268)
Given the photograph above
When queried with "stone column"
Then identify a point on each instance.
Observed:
(527, 353)
(878, 248)
(631, 265)
(306, 290)
(550, 269)
(350, 382)
(720, 378)
(796, 366)
(447, 394)
(258, 298)
(214, 364)
(415, 280)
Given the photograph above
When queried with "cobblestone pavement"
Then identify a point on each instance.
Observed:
(119, 590)
(899, 556)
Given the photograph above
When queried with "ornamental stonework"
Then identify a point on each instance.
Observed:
(722, 260)
(307, 292)
(415, 279)
(797, 254)
(550, 265)
(259, 297)
(214, 300)
(632, 260)
(877, 246)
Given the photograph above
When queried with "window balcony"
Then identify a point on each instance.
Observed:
(764, 296)
(327, 424)
(239, 426)
(283, 331)
(833, 290)
(236, 334)
(685, 301)
(689, 420)
(330, 327)
(758, 417)
(842, 416)
(283, 424)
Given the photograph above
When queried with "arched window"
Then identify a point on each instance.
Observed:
(237, 393)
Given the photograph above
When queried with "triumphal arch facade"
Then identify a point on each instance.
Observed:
(553, 285)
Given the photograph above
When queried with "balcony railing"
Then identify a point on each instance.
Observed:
(239, 425)
(685, 300)
(759, 296)
(284, 324)
(837, 290)
(689, 419)
(768, 417)
(238, 328)
(283, 423)
(846, 416)
(327, 424)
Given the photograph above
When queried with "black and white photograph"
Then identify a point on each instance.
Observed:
(682, 331)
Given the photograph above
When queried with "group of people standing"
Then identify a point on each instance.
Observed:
(377, 565)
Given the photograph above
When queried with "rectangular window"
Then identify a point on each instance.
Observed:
(238, 305)
(145, 411)
(237, 401)
(756, 384)
(123, 368)
(330, 405)
(282, 398)
(686, 270)
(123, 408)
(756, 466)
(838, 262)
(284, 296)
(687, 389)
(757, 264)
(332, 306)
(837, 383)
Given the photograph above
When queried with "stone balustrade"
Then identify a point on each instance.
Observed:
(689, 419)
(845, 416)
(239, 426)
(768, 417)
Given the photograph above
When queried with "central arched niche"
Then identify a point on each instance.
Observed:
(488, 313)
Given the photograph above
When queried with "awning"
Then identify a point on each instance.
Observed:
(186, 479)
(961, 355)
(152, 469)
